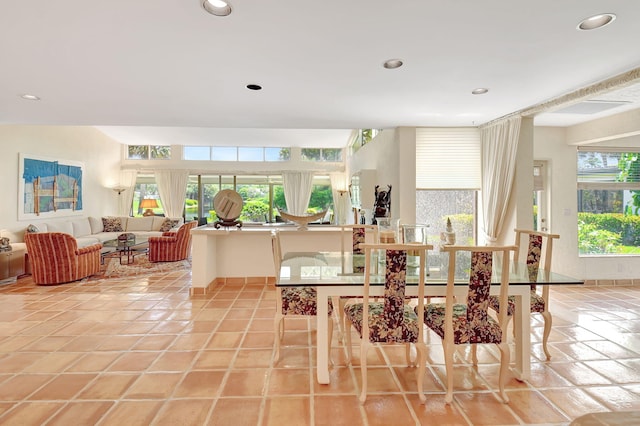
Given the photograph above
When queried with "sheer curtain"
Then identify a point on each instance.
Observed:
(341, 199)
(172, 187)
(297, 191)
(499, 148)
(128, 182)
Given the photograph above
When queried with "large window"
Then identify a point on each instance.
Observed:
(447, 181)
(608, 202)
(262, 196)
(145, 191)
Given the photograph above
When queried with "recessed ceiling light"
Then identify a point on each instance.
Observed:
(596, 21)
(480, 91)
(254, 87)
(392, 64)
(217, 7)
(30, 97)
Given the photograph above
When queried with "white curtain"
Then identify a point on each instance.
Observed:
(125, 199)
(341, 198)
(499, 148)
(172, 187)
(297, 191)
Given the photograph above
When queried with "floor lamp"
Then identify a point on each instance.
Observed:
(119, 190)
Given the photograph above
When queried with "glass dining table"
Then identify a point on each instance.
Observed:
(341, 274)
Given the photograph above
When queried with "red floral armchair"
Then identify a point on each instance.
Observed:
(172, 246)
(55, 258)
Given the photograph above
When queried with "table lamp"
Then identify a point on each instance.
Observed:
(149, 204)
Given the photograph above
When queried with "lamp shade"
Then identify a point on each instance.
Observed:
(149, 203)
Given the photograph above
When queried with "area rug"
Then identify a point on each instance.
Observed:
(141, 266)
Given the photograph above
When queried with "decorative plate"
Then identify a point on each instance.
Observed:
(228, 205)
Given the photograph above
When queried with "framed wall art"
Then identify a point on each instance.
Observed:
(49, 187)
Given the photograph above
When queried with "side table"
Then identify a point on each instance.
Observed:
(11, 265)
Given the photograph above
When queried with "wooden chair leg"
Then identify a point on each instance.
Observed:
(364, 348)
(448, 361)
(347, 334)
(504, 370)
(278, 325)
(547, 330)
(422, 361)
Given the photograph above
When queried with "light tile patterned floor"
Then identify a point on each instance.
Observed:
(141, 351)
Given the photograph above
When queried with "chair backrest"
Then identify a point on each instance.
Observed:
(539, 251)
(276, 250)
(52, 253)
(358, 236)
(183, 237)
(480, 277)
(395, 276)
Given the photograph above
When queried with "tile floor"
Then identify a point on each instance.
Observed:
(141, 351)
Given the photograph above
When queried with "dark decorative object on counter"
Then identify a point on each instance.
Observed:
(382, 207)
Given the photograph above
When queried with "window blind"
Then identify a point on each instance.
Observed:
(448, 158)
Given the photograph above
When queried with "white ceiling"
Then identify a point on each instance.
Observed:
(163, 71)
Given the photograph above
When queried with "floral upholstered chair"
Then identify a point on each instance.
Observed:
(389, 320)
(292, 301)
(172, 246)
(469, 322)
(55, 258)
(359, 234)
(539, 243)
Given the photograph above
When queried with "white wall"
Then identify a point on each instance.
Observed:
(99, 154)
(383, 155)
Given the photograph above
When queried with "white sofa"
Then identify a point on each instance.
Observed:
(90, 230)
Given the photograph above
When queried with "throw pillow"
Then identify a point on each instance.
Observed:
(112, 224)
(168, 224)
(32, 228)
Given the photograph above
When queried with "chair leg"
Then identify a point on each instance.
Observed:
(330, 329)
(504, 369)
(448, 361)
(364, 348)
(347, 334)
(474, 355)
(547, 330)
(337, 300)
(278, 325)
(422, 361)
(407, 353)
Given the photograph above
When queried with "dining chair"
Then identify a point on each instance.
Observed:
(389, 320)
(539, 243)
(467, 321)
(358, 234)
(292, 301)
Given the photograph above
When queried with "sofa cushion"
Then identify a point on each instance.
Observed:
(139, 224)
(36, 228)
(62, 226)
(157, 223)
(87, 241)
(112, 224)
(81, 227)
(96, 225)
(168, 224)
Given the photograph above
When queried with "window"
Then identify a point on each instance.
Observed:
(262, 196)
(447, 181)
(608, 202)
(197, 153)
(235, 153)
(224, 153)
(148, 152)
(145, 189)
(321, 154)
